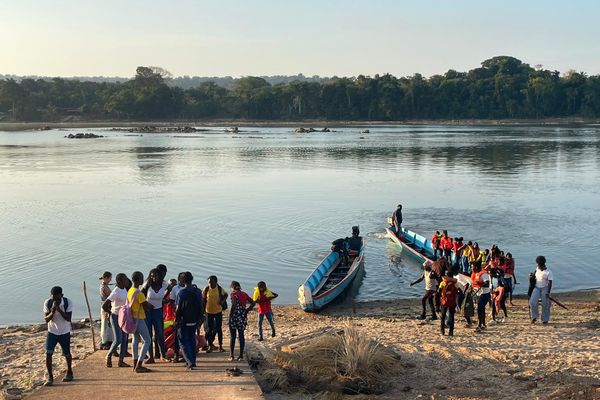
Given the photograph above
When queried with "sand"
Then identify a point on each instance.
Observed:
(514, 360)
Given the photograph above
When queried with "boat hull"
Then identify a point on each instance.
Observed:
(309, 297)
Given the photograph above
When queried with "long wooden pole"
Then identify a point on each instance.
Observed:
(87, 302)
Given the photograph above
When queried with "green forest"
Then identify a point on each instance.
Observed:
(503, 87)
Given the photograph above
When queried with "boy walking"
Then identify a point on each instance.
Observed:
(57, 313)
(448, 292)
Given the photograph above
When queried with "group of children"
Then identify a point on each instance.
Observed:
(164, 317)
(462, 275)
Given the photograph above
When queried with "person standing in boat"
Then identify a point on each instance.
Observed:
(355, 242)
(446, 244)
(435, 244)
(397, 219)
(541, 291)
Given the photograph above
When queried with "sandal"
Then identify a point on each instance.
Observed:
(49, 382)
(108, 363)
(231, 358)
(68, 377)
(140, 370)
(235, 371)
(123, 364)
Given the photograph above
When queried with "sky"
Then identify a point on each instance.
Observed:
(282, 37)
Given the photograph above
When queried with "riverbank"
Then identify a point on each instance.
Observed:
(24, 126)
(509, 360)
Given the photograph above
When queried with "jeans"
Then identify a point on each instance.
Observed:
(465, 265)
(261, 317)
(141, 333)
(240, 333)
(508, 287)
(120, 338)
(187, 339)
(481, 303)
(451, 311)
(154, 320)
(214, 328)
(540, 293)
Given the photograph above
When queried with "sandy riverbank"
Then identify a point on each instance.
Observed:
(24, 126)
(510, 360)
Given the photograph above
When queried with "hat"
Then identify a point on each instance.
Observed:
(105, 274)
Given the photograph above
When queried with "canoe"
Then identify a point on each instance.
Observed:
(417, 246)
(328, 280)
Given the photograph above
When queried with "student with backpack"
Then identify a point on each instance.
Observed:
(57, 314)
(215, 300)
(189, 315)
(448, 292)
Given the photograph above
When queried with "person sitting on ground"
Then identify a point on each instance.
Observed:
(189, 315)
(448, 294)
(238, 317)
(215, 301)
(115, 300)
(397, 220)
(57, 314)
(541, 291)
(430, 290)
(263, 297)
(139, 306)
(106, 337)
(355, 242)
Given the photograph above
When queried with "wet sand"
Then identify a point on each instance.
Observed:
(514, 359)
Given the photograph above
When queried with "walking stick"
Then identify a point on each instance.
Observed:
(89, 314)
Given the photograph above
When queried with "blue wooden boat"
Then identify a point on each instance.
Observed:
(417, 246)
(329, 279)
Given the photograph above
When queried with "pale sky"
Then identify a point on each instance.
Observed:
(281, 37)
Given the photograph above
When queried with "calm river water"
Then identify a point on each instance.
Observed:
(266, 203)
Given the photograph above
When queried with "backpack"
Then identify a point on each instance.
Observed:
(50, 301)
(127, 323)
(223, 299)
(190, 307)
(448, 294)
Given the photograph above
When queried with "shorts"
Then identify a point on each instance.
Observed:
(64, 340)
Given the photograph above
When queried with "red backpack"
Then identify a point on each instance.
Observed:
(448, 294)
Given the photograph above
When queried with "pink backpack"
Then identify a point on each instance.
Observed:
(126, 321)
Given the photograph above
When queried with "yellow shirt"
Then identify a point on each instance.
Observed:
(467, 252)
(212, 300)
(137, 311)
(256, 294)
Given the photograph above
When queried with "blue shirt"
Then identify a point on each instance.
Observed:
(181, 297)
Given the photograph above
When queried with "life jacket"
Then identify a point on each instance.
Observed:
(448, 293)
(435, 239)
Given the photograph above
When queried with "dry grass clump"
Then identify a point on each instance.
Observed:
(350, 362)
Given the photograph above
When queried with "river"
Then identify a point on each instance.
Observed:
(265, 204)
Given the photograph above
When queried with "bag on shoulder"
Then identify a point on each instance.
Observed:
(222, 298)
(65, 304)
(190, 307)
(448, 294)
(127, 323)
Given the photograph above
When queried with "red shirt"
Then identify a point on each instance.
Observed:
(264, 303)
(446, 242)
(509, 266)
(241, 297)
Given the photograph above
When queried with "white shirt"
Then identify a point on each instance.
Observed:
(118, 298)
(542, 278)
(485, 277)
(156, 298)
(463, 281)
(174, 292)
(429, 281)
(58, 325)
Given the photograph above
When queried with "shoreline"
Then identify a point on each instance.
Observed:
(529, 360)
(25, 126)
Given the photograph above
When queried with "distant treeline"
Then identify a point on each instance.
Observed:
(503, 87)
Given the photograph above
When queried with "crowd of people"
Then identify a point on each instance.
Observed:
(165, 319)
(465, 278)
